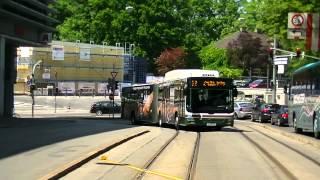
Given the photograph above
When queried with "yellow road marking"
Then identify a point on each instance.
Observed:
(105, 160)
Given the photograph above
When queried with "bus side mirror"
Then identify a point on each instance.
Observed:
(234, 92)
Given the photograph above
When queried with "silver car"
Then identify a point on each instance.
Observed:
(242, 109)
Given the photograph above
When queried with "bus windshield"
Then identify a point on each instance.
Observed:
(209, 100)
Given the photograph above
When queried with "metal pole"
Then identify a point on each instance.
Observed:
(268, 79)
(32, 96)
(113, 90)
(274, 88)
(55, 92)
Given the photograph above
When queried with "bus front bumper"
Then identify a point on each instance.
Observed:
(207, 122)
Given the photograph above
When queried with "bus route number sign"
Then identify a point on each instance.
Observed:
(208, 83)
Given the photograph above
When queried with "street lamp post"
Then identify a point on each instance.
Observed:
(113, 74)
(33, 86)
(274, 88)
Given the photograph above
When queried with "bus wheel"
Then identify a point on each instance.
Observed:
(278, 122)
(315, 128)
(133, 119)
(99, 113)
(296, 129)
(176, 124)
(252, 119)
(235, 116)
(160, 121)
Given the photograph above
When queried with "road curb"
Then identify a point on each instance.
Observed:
(71, 166)
(313, 142)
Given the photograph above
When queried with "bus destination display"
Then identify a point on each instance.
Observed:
(208, 83)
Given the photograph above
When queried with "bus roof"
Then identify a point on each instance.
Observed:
(308, 71)
(185, 73)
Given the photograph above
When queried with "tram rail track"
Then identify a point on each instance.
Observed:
(287, 146)
(194, 158)
(192, 166)
(139, 176)
(273, 159)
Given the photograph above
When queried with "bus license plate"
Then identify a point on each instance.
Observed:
(211, 124)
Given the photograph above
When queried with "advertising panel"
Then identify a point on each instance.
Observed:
(103, 88)
(66, 87)
(57, 52)
(85, 53)
(86, 87)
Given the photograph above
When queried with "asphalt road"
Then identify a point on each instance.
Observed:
(41, 148)
(70, 106)
(74, 102)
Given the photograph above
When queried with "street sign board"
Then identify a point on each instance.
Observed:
(297, 25)
(280, 69)
(282, 60)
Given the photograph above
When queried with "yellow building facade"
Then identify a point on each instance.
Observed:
(73, 68)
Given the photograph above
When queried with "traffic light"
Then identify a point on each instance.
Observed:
(56, 90)
(298, 52)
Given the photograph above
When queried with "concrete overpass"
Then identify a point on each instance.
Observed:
(23, 23)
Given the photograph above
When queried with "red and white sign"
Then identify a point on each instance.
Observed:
(305, 26)
(297, 20)
(297, 25)
(313, 35)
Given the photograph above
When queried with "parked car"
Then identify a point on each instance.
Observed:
(105, 107)
(259, 83)
(262, 112)
(280, 116)
(242, 83)
(242, 109)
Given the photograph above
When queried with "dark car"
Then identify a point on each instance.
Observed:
(105, 107)
(262, 112)
(242, 83)
(280, 116)
(259, 83)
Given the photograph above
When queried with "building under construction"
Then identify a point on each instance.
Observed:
(70, 68)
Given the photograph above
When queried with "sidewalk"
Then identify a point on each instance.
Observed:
(32, 148)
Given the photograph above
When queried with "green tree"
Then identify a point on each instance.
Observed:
(271, 17)
(170, 59)
(151, 25)
(216, 59)
(248, 52)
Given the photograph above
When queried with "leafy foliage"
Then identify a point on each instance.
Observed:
(247, 52)
(271, 17)
(216, 58)
(152, 26)
(170, 59)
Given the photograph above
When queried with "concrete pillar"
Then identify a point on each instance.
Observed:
(2, 76)
(7, 78)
